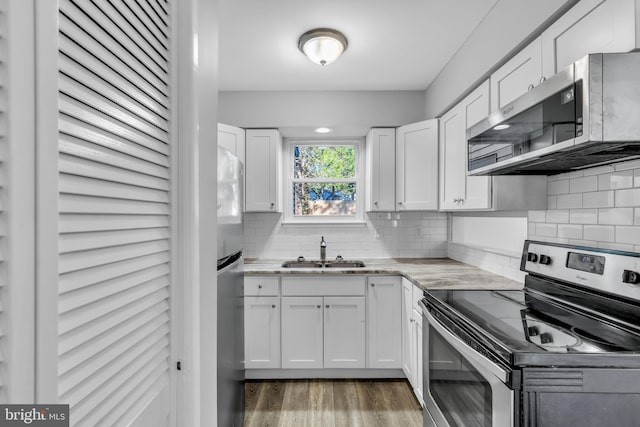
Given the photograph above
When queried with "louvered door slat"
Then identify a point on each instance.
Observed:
(114, 204)
(80, 185)
(153, 318)
(81, 278)
(110, 110)
(126, 51)
(107, 68)
(100, 171)
(102, 155)
(74, 242)
(111, 93)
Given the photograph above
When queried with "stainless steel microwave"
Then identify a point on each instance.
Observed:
(586, 115)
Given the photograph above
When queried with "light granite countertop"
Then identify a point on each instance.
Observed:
(428, 273)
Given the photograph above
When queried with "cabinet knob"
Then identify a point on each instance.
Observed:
(530, 87)
(373, 284)
(272, 205)
(412, 320)
(327, 305)
(375, 203)
(399, 203)
(542, 79)
(273, 306)
(259, 286)
(318, 306)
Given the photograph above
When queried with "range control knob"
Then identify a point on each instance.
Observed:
(629, 276)
(533, 331)
(546, 338)
(532, 257)
(545, 259)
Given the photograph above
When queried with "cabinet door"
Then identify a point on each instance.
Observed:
(457, 190)
(408, 333)
(591, 26)
(262, 332)
(302, 335)
(417, 166)
(344, 332)
(381, 169)
(418, 388)
(384, 324)
(262, 170)
(232, 138)
(516, 76)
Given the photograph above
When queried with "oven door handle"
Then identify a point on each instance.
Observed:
(468, 352)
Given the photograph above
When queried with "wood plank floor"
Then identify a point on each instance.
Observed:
(331, 403)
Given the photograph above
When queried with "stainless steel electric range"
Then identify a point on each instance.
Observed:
(564, 351)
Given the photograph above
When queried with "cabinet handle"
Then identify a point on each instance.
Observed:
(259, 286)
(412, 320)
(318, 306)
(272, 205)
(327, 306)
(399, 203)
(530, 87)
(542, 79)
(273, 306)
(375, 203)
(373, 284)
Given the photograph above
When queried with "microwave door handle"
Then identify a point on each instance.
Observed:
(465, 350)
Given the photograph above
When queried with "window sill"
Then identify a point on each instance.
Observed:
(324, 223)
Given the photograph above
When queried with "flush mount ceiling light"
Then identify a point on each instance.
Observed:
(322, 45)
(324, 130)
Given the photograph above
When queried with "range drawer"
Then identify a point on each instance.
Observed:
(323, 285)
(261, 286)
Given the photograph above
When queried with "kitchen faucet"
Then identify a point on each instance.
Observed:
(323, 250)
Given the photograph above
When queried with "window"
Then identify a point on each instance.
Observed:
(323, 181)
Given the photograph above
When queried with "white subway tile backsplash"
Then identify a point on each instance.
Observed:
(552, 202)
(558, 187)
(600, 170)
(570, 231)
(558, 216)
(630, 235)
(598, 199)
(634, 164)
(629, 197)
(616, 216)
(599, 233)
(537, 216)
(615, 246)
(583, 184)
(569, 201)
(636, 178)
(583, 216)
(547, 230)
(615, 180)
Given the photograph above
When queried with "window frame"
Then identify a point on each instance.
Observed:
(358, 179)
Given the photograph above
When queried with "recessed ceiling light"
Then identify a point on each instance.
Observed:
(324, 130)
(501, 127)
(322, 45)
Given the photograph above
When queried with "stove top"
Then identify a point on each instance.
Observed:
(579, 307)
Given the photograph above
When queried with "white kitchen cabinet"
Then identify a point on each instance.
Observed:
(232, 138)
(262, 332)
(384, 323)
(591, 26)
(457, 190)
(263, 178)
(517, 76)
(381, 169)
(418, 387)
(302, 332)
(409, 350)
(344, 332)
(417, 166)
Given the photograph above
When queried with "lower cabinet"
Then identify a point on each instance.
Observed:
(384, 322)
(302, 335)
(412, 337)
(261, 332)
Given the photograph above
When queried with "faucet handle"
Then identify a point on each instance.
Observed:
(300, 258)
(339, 258)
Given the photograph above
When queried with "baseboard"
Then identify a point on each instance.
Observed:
(287, 374)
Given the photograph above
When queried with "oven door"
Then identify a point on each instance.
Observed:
(462, 388)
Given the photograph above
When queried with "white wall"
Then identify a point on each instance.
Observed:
(385, 235)
(507, 28)
(350, 113)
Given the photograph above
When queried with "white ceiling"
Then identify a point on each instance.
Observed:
(393, 44)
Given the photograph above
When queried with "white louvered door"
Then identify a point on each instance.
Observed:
(113, 176)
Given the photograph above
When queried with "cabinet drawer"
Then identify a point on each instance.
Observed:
(323, 285)
(261, 285)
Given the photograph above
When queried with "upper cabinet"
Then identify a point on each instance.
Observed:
(263, 180)
(457, 190)
(417, 166)
(591, 26)
(381, 169)
(517, 76)
(232, 138)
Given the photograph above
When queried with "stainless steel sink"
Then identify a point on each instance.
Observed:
(302, 264)
(344, 264)
(319, 264)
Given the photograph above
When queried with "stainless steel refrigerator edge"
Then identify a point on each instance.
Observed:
(230, 310)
